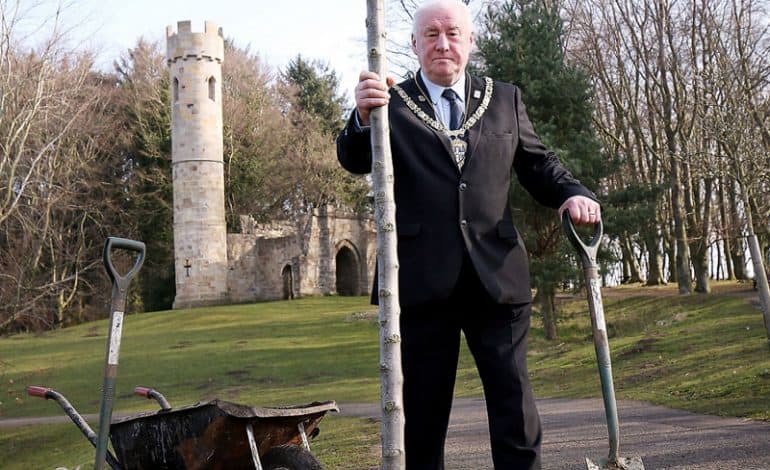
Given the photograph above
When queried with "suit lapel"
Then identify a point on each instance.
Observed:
(422, 100)
(425, 104)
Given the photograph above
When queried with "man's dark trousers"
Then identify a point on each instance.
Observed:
(497, 337)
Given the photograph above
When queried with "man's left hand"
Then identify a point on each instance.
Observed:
(582, 210)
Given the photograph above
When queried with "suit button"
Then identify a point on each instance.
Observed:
(463, 185)
(463, 223)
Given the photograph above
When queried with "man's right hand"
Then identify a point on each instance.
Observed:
(371, 93)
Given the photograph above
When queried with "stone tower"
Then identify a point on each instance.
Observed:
(200, 235)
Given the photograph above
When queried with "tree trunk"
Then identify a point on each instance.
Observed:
(700, 261)
(700, 257)
(676, 177)
(726, 235)
(654, 261)
(738, 257)
(683, 277)
(631, 270)
(738, 247)
(626, 276)
(669, 248)
(391, 376)
(547, 298)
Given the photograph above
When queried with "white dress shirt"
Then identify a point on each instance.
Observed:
(441, 104)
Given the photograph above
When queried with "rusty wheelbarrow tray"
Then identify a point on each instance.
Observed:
(214, 434)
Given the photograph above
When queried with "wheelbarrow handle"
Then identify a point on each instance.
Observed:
(152, 394)
(126, 244)
(586, 251)
(72, 413)
(38, 391)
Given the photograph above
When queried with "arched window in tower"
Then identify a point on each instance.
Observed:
(176, 89)
(212, 88)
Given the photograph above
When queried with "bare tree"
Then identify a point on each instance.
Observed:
(739, 120)
(615, 43)
(683, 90)
(52, 121)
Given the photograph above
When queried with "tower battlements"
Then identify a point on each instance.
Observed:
(184, 44)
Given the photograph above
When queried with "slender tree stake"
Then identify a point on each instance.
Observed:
(757, 260)
(391, 376)
(761, 278)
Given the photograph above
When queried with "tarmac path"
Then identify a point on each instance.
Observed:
(574, 429)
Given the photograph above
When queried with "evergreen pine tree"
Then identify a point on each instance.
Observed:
(143, 82)
(522, 43)
(315, 92)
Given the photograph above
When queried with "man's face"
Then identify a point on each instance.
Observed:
(442, 41)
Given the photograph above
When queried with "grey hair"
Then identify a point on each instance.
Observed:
(434, 3)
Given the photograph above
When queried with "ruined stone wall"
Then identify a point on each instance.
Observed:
(257, 260)
(329, 232)
(256, 266)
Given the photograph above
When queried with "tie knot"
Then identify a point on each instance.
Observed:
(450, 95)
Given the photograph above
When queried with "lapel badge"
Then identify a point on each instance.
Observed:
(421, 98)
(477, 94)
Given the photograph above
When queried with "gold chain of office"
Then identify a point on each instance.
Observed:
(438, 125)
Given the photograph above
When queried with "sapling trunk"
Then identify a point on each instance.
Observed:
(391, 376)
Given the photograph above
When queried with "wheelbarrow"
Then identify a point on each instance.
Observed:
(213, 435)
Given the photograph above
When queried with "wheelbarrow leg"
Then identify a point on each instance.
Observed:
(303, 434)
(253, 446)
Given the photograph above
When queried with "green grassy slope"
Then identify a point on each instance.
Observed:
(707, 354)
(702, 353)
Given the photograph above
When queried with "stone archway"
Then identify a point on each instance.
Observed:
(288, 282)
(347, 271)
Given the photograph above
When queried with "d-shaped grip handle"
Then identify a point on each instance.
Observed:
(125, 244)
(588, 251)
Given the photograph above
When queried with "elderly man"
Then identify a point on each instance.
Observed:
(456, 139)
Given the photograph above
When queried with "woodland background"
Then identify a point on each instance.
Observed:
(662, 107)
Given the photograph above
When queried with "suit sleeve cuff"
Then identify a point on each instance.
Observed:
(357, 127)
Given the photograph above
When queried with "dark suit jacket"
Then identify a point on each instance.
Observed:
(441, 211)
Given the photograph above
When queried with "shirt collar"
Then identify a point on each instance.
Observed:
(435, 90)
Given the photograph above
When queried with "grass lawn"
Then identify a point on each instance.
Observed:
(704, 353)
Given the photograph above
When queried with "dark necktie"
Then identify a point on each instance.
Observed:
(455, 108)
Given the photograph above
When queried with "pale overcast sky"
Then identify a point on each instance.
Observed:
(333, 31)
